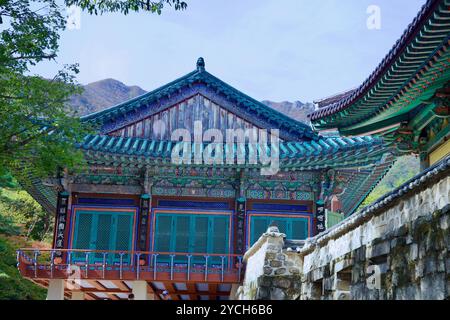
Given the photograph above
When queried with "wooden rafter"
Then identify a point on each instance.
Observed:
(172, 291)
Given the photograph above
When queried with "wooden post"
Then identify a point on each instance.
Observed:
(240, 225)
(55, 289)
(78, 295)
(143, 222)
(140, 290)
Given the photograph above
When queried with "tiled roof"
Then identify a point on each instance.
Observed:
(200, 75)
(325, 152)
(321, 103)
(425, 39)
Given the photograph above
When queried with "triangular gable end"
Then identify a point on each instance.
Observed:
(195, 96)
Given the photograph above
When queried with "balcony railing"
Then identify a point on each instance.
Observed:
(126, 265)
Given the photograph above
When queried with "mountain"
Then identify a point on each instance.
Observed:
(296, 110)
(109, 92)
(103, 94)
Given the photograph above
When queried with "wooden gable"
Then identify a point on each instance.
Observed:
(183, 115)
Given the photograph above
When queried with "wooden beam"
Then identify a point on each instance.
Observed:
(172, 291)
(212, 288)
(112, 296)
(101, 188)
(97, 285)
(153, 291)
(121, 285)
(102, 291)
(192, 291)
(90, 296)
(203, 293)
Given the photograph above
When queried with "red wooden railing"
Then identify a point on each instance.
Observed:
(141, 265)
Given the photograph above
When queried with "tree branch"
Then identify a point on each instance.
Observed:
(44, 56)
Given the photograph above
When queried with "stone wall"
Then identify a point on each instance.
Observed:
(395, 249)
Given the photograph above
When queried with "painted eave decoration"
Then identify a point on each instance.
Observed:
(416, 66)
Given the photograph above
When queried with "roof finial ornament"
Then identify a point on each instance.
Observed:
(200, 64)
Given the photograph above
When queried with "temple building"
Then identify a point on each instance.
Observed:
(183, 180)
(388, 250)
(144, 216)
(406, 99)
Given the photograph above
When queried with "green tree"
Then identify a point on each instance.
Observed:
(125, 6)
(36, 133)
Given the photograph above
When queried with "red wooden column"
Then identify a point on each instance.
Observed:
(239, 225)
(61, 222)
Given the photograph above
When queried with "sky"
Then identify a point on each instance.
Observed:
(280, 50)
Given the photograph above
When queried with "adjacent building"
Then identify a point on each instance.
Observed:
(182, 180)
(166, 203)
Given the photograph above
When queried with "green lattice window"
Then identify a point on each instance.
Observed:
(103, 230)
(191, 233)
(294, 228)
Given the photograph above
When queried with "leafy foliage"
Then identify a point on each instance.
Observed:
(22, 210)
(12, 285)
(404, 169)
(36, 133)
(15, 209)
(125, 6)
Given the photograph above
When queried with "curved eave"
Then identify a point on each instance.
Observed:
(421, 55)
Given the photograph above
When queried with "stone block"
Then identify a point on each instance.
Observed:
(422, 250)
(419, 269)
(379, 249)
(328, 283)
(398, 243)
(277, 294)
(430, 265)
(409, 239)
(270, 255)
(294, 270)
(288, 263)
(413, 252)
(280, 271)
(264, 281)
(263, 294)
(281, 257)
(444, 222)
(317, 274)
(357, 273)
(341, 295)
(358, 291)
(360, 254)
(441, 261)
(432, 287)
(343, 264)
(401, 232)
(274, 249)
(409, 292)
(341, 285)
(267, 270)
(282, 283)
(275, 264)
